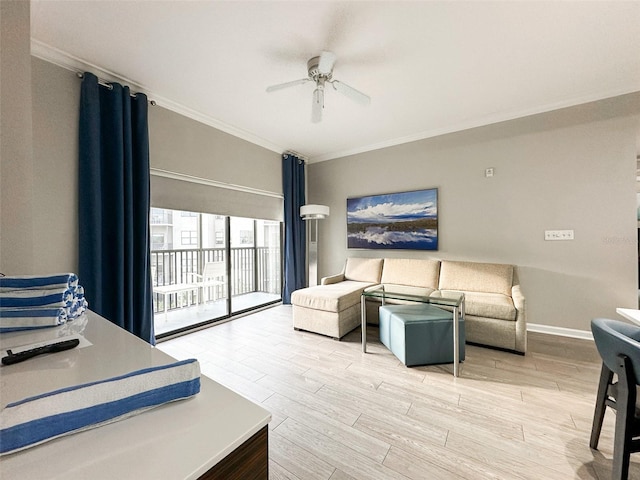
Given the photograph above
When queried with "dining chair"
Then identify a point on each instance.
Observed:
(618, 344)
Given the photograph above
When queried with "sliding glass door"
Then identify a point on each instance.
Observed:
(208, 267)
(255, 263)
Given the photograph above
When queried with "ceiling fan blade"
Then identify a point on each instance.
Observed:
(280, 86)
(326, 62)
(352, 93)
(317, 105)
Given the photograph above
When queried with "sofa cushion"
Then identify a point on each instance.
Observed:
(363, 269)
(488, 305)
(407, 290)
(476, 277)
(330, 298)
(419, 273)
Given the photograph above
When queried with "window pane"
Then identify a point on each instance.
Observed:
(255, 263)
(189, 237)
(269, 259)
(213, 230)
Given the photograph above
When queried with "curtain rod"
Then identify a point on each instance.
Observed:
(108, 85)
(158, 172)
(299, 155)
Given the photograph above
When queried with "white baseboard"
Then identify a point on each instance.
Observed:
(560, 331)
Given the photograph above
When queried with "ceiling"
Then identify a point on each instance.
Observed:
(430, 67)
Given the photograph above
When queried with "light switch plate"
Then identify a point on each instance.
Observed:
(558, 234)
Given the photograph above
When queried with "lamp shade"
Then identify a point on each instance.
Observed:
(314, 212)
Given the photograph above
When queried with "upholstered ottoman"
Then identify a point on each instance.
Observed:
(332, 310)
(419, 334)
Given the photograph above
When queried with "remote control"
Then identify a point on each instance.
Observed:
(51, 348)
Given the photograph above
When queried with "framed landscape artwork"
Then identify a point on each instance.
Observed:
(406, 220)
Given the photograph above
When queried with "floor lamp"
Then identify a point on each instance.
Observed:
(311, 214)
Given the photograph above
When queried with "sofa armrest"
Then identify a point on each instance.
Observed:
(518, 298)
(332, 279)
(521, 318)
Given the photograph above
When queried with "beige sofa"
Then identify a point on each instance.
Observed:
(494, 304)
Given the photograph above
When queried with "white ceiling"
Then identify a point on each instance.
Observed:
(430, 67)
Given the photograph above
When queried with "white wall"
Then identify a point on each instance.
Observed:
(56, 112)
(16, 154)
(570, 169)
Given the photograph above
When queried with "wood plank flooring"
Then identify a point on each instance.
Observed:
(339, 414)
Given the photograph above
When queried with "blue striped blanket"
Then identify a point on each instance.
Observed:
(38, 282)
(16, 319)
(54, 297)
(38, 419)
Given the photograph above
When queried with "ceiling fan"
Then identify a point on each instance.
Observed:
(320, 70)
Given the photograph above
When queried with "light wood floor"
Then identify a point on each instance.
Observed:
(340, 414)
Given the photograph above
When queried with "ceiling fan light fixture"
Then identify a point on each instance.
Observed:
(326, 62)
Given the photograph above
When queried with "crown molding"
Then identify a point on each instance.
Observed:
(484, 121)
(65, 60)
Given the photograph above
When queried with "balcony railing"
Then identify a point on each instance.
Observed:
(253, 269)
(161, 218)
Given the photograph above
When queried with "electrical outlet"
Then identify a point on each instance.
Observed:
(558, 234)
(488, 172)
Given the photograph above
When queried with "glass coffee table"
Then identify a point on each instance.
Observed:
(453, 300)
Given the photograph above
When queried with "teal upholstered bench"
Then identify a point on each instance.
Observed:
(419, 334)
